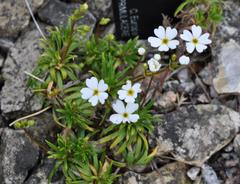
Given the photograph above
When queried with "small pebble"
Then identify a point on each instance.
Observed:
(193, 173)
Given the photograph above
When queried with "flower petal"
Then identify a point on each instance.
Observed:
(186, 36)
(184, 60)
(127, 86)
(136, 87)
(129, 99)
(92, 83)
(160, 32)
(200, 48)
(133, 117)
(122, 94)
(163, 48)
(93, 100)
(151, 61)
(126, 120)
(132, 107)
(154, 41)
(171, 33)
(116, 118)
(118, 106)
(173, 44)
(197, 31)
(204, 39)
(102, 86)
(86, 93)
(102, 97)
(190, 47)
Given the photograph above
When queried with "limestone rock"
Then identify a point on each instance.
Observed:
(14, 16)
(174, 173)
(193, 173)
(166, 102)
(100, 8)
(40, 175)
(209, 175)
(236, 144)
(226, 50)
(194, 133)
(16, 98)
(1, 61)
(56, 13)
(227, 79)
(18, 155)
(43, 129)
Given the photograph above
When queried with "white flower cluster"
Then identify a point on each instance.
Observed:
(165, 40)
(96, 92)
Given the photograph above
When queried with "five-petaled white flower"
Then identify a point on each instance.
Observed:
(154, 65)
(196, 40)
(124, 114)
(95, 91)
(129, 92)
(184, 60)
(164, 40)
(141, 51)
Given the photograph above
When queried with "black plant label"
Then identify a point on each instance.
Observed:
(139, 17)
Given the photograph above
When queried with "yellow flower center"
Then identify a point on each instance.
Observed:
(195, 41)
(130, 92)
(165, 41)
(95, 92)
(125, 115)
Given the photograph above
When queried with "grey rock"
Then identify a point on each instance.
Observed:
(229, 148)
(110, 29)
(236, 144)
(166, 102)
(56, 13)
(16, 98)
(193, 173)
(18, 156)
(1, 61)
(209, 175)
(186, 83)
(40, 175)
(194, 133)
(43, 129)
(227, 79)
(14, 16)
(1, 122)
(174, 173)
(6, 44)
(226, 50)
(184, 75)
(206, 74)
(187, 87)
(100, 8)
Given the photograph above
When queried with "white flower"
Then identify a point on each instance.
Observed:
(95, 91)
(164, 40)
(124, 114)
(196, 40)
(157, 57)
(154, 65)
(129, 93)
(141, 51)
(184, 60)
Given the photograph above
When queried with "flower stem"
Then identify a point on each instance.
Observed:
(147, 91)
